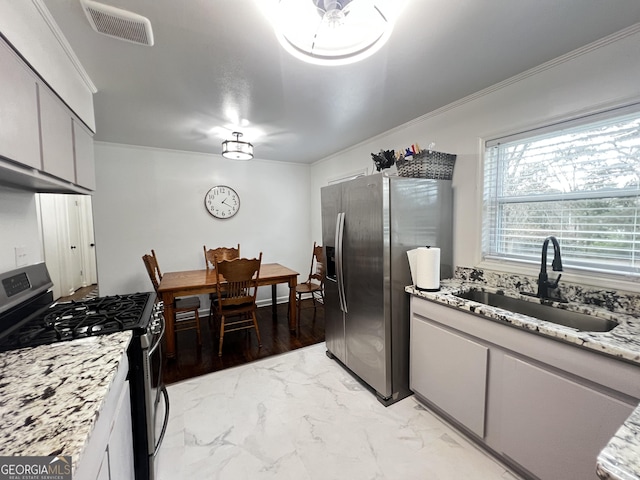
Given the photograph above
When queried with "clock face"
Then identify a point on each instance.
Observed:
(222, 201)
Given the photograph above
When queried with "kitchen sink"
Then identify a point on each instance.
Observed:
(579, 321)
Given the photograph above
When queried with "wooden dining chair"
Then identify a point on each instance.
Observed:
(237, 280)
(223, 253)
(314, 286)
(182, 306)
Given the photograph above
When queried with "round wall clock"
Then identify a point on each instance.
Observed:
(222, 201)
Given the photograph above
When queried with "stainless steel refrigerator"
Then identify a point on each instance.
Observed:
(368, 224)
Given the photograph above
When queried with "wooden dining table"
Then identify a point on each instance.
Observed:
(194, 282)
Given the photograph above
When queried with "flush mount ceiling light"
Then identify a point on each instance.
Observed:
(334, 32)
(237, 149)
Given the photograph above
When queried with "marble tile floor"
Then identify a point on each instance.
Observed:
(301, 416)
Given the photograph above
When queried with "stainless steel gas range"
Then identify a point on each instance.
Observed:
(29, 318)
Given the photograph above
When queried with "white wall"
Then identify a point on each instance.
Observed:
(154, 199)
(596, 77)
(19, 227)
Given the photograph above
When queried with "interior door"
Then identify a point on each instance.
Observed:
(87, 242)
(74, 244)
(67, 222)
(49, 207)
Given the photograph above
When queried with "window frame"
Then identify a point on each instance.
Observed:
(491, 213)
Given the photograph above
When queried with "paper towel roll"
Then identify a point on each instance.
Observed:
(412, 255)
(428, 266)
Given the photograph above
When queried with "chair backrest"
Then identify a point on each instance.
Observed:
(223, 253)
(238, 280)
(153, 269)
(317, 271)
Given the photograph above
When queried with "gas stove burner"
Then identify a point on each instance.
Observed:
(80, 319)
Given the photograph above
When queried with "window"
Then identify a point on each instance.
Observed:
(578, 181)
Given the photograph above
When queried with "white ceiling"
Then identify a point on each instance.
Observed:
(218, 60)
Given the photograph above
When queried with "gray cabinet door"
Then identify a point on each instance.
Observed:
(84, 157)
(57, 137)
(19, 136)
(553, 426)
(450, 371)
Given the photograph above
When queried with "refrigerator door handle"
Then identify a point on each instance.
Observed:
(339, 262)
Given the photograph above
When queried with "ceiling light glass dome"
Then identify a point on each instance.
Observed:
(334, 32)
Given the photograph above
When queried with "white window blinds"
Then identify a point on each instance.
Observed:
(578, 181)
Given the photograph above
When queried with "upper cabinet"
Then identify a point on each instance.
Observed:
(84, 156)
(57, 137)
(44, 147)
(18, 111)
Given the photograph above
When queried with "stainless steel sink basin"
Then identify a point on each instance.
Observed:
(579, 321)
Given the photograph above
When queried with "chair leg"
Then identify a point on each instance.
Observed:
(197, 315)
(221, 335)
(255, 323)
(299, 306)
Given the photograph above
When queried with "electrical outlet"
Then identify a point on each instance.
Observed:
(21, 256)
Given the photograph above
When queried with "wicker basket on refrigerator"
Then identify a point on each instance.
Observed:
(427, 164)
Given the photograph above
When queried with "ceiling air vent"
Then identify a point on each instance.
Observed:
(118, 23)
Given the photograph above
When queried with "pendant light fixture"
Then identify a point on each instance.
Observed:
(334, 32)
(237, 149)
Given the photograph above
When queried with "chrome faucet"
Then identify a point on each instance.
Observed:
(543, 280)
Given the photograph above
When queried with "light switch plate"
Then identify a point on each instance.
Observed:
(21, 256)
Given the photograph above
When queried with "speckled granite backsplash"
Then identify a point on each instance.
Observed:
(613, 300)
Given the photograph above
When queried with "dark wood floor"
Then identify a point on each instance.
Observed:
(242, 346)
(79, 294)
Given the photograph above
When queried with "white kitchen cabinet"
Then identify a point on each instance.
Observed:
(84, 156)
(19, 139)
(108, 453)
(451, 371)
(43, 146)
(103, 473)
(553, 426)
(120, 446)
(549, 408)
(57, 137)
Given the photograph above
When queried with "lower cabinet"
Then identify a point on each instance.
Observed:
(120, 447)
(543, 407)
(103, 473)
(553, 426)
(108, 454)
(457, 384)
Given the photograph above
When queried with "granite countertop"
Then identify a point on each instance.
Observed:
(622, 342)
(620, 459)
(52, 395)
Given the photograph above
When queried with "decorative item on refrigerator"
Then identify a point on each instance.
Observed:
(428, 269)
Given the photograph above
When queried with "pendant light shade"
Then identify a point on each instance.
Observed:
(237, 149)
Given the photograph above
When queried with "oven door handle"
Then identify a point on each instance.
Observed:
(165, 422)
(155, 346)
